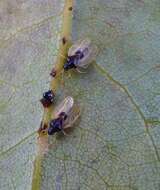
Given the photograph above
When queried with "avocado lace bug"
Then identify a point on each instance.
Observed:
(65, 116)
(80, 55)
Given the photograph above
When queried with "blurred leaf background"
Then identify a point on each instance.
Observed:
(116, 144)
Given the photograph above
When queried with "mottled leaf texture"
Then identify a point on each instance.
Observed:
(29, 40)
(115, 145)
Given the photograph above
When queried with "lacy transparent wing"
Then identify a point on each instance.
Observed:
(89, 57)
(72, 117)
(65, 106)
(79, 46)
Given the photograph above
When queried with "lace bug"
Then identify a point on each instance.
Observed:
(65, 116)
(80, 55)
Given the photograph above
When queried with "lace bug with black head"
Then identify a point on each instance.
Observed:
(80, 55)
(65, 116)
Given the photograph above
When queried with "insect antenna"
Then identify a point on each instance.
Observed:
(80, 71)
(65, 133)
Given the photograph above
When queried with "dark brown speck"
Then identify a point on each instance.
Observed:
(64, 40)
(70, 8)
(53, 72)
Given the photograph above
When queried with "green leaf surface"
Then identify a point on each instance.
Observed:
(29, 41)
(115, 145)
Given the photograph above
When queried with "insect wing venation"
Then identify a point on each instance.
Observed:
(65, 106)
(88, 57)
(72, 117)
(87, 48)
(79, 46)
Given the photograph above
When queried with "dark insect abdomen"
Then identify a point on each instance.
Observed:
(55, 126)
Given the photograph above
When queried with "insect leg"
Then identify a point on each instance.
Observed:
(85, 66)
(64, 133)
(79, 71)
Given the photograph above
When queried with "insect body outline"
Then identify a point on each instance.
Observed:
(65, 116)
(80, 55)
